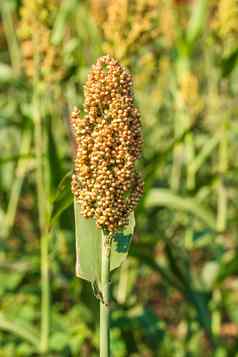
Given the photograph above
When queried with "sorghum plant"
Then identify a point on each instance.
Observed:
(41, 62)
(105, 182)
(127, 25)
(40, 57)
(225, 24)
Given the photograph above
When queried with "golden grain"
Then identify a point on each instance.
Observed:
(109, 141)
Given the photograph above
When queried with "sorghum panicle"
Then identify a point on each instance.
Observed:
(98, 9)
(189, 93)
(225, 24)
(227, 17)
(128, 25)
(35, 28)
(109, 141)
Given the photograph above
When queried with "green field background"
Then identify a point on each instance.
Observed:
(177, 293)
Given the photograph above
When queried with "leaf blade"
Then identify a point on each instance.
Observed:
(166, 198)
(88, 246)
(121, 244)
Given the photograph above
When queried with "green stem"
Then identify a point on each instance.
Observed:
(222, 194)
(9, 28)
(39, 161)
(190, 158)
(176, 167)
(42, 210)
(45, 294)
(181, 122)
(21, 169)
(105, 302)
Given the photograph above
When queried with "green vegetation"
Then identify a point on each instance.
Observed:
(176, 295)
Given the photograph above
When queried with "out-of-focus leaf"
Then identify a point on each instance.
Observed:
(11, 283)
(202, 237)
(204, 153)
(199, 16)
(63, 185)
(59, 340)
(166, 198)
(20, 266)
(6, 73)
(209, 274)
(143, 252)
(152, 164)
(7, 12)
(227, 269)
(143, 320)
(229, 63)
(54, 163)
(62, 199)
(66, 8)
(152, 326)
(16, 187)
(13, 158)
(20, 329)
(200, 300)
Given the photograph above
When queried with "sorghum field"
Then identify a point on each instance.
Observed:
(176, 294)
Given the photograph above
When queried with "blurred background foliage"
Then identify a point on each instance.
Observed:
(177, 294)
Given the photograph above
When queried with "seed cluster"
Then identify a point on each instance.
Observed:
(109, 141)
(189, 93)
(98, 9)
(227, 17)
(225, 24)
(34, 30)
(128, 25)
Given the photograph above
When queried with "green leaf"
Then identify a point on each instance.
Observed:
(24, 331)
(88, 246)
(13, 158)
(228, 269)
(166, 198)
(229, 63)
(197, 21)
(6, 73)
(64, 12)
(121, 244)
(140, 319)
(53, 159)
(62, 199)
(204, 154)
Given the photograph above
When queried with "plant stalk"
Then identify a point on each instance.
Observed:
(21, 169)
(9, 28)
(43, 206)
(45, 293)
(105, 301)
(42, 211)
(222, 192)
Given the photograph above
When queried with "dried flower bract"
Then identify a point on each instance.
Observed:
(109, 141)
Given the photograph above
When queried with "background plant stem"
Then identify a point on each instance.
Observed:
(45, 294)
(11, 37)
(123, 283)
(21, 169)
(42, 211)
(222, 194)
(105, 304)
